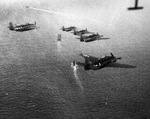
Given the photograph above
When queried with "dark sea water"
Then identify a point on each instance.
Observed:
(36, 78)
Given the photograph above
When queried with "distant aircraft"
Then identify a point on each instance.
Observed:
(80, 32)
(98, 63)
(23, 27)
(68, 28)
(74, 65)
(27, 7)
(90, 38)
(59, 37)
(136, 7)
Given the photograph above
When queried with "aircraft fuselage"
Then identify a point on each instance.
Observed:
(68, 29)
(24, 27)
(81, 32)
(89, 38)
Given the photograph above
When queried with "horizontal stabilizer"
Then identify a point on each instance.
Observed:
(119, 58)
(135, 8)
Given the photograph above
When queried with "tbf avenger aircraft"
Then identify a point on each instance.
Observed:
(80, 32)
(90, 38)
(59, 37)
(68, 28)
(97, 64)
(23, 27)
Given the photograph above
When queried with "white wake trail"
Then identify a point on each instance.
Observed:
(58, 47)
(77, 78)
(64, 14)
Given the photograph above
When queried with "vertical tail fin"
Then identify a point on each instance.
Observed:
(63, 28)
(11, 26)
(111, 54)
(81, 37)
(136, 3)
(74, 32)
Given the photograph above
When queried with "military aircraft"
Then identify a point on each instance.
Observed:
(90, 38)
(27, 7)
(80, 32)
(23, 27)
(59, 37)
(68, 28)
(97, 63)
(74, 65)
(136, 7)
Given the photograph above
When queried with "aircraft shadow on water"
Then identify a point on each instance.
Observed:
(92, 39)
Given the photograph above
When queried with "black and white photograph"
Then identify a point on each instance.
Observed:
(74, 59)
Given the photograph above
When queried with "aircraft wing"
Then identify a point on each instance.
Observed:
(91, 58)
(84, 55)
(80, 63)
